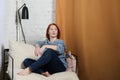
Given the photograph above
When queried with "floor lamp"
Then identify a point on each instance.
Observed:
(25, 15)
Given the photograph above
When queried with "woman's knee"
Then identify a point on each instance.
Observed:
(28, 62)
(51, 51)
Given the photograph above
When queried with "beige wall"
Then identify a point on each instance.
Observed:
(91, 29)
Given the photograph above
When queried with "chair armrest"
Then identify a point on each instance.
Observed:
(76, 57)
(6, 52)
(72, 57)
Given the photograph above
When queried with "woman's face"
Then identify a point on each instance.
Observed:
(53, 31)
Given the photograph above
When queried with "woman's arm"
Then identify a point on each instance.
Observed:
(54, 47)
(37, 50)
(60, 47)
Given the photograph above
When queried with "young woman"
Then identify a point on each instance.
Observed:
(52, 58)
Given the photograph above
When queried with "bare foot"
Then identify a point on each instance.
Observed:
(47, 74)
(25, 72)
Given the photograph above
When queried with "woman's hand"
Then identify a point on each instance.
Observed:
(37, 50)
(42, 49)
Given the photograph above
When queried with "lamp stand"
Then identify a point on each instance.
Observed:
(18, 21)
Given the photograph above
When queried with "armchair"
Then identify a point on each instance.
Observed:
(18, 52)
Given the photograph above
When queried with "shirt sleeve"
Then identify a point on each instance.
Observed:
(61, 47)
(40, 43)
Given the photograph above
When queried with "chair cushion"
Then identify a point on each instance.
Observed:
(20, 51)
(56, 76)
(32, 76)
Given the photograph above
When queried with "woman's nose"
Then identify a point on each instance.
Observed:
(53, 30)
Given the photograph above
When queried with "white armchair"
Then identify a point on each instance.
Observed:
(20, 51)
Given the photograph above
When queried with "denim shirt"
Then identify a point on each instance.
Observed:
(60, 48)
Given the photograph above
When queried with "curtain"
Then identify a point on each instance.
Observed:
(91, 30)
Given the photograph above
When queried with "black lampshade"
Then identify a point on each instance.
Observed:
(25, 13)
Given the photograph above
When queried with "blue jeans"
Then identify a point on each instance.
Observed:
(49, 61)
